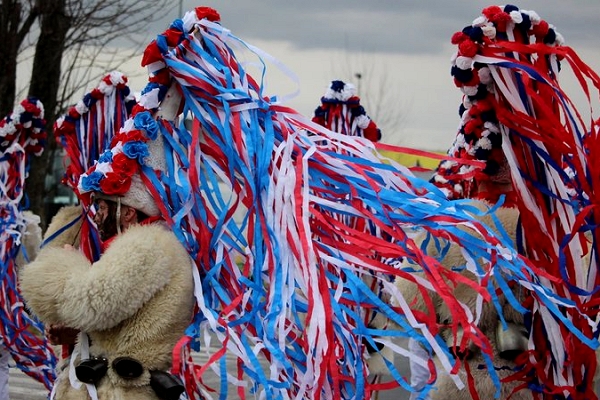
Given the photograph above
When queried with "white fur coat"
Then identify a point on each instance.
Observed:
(136, 301)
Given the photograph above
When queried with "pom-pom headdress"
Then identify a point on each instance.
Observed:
(517, 118)
(340, 111)
(281, 283)
(22, 134)
(85, 131)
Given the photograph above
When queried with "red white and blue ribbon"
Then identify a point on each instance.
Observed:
(507, 66)
(281, 283)
(22, 134)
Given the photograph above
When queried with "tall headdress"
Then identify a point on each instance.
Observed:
(281, 283)
(340, 111)
(515, 115)
(85, 131)
(22, 135)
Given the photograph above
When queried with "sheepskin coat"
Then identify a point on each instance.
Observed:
(136, 301)
(446, 388)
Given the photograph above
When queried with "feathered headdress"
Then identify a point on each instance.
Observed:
(516, 114)
(22, 134)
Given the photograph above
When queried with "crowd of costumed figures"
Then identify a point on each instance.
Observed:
(340, 263)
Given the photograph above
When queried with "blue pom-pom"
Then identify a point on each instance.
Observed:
(526, 24)
(149, 87)
(550, 36)
(145, 121)
(91, 183)
(136, 150)
(105, 157)
(356, 111)
(482, 154)
(510, 8)
(337, 86)
(461, 75)
(461, 110)
(88, 100)
(476, 34)
(177, 24)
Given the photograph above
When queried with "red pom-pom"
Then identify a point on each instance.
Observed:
(540, 30)
(501, 20)
(124, 164)
(151, 54)
(209, 13)
(173, 37)
(468, 48)
(371, 132)
(96, 94)
(473, 126)
(73, 113)
(115, 184)
(458, 37)
(162, 77)
(490, 11)
(137, 109)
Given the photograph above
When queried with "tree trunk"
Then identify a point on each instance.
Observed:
(10, 15)
(44, 84)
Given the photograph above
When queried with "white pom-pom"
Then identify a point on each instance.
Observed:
(104, 168)
(453, 58)
(484, 143)
(464, 62)
(533, 16)
(81, 108)
(190, 19)
(516, 16)
(116, 78)
(467, 103)
(560, 40)
(489, 31)
(362, 121)
(469, 90)
(128, 126)
(485, 76)
(149, 100)
(492, 127)
(480, 21)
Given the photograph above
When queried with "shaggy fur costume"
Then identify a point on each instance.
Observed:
(446, 388)
(136, 301)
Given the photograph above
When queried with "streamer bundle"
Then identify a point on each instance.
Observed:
(23, 135)
(281, 284)
(515, 113)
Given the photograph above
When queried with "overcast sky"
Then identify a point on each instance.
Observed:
(407, 41)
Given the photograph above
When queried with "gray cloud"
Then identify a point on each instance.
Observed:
(402, 26)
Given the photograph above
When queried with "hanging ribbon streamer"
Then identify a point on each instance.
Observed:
(22, 134)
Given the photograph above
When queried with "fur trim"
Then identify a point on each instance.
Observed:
(70, 236)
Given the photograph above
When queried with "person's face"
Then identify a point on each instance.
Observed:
(105, 219)
(101, 212)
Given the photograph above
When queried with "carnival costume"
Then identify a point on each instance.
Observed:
(133, 303)
(516, 118)
(22, 136)
(282, 285)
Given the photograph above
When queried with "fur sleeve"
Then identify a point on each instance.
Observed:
(133, 269)
(63, 217)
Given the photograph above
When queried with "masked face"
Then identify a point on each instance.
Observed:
(106, 218)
